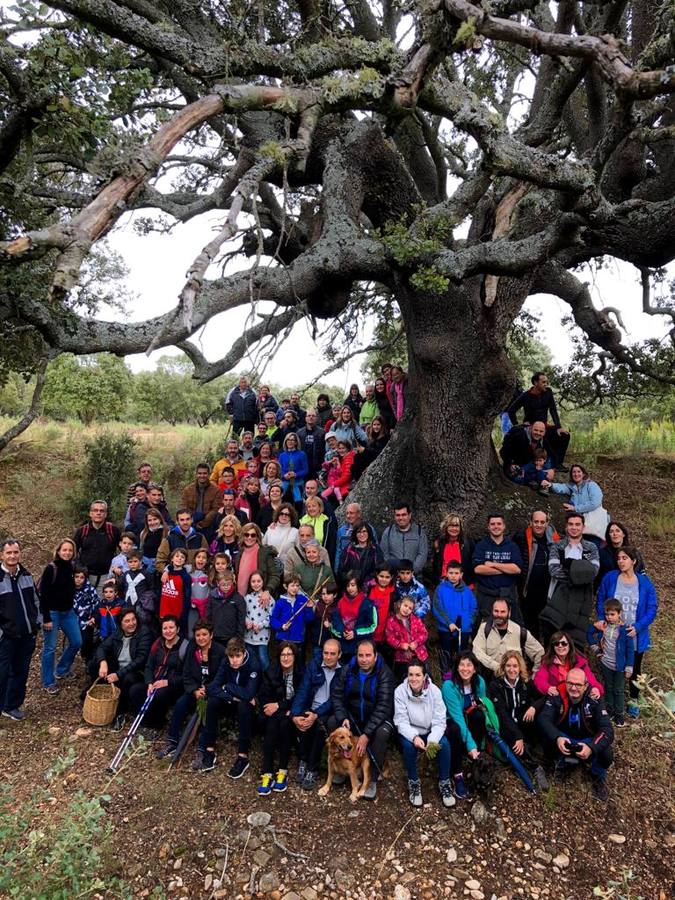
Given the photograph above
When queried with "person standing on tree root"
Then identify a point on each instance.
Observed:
(537, 404)
(497, 565)
(18, 628)
(242, 404)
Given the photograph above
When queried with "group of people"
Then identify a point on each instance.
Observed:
(257, 606)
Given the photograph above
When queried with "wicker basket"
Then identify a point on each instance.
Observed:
(100, 704)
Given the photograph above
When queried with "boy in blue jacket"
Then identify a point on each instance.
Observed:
(292, 613)
(231, 693)
(616, 651)
(408, 586)
(454, 607)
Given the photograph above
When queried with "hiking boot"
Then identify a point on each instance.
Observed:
(167, 750)
(447, 797)
(16, 715)
(204, 761)
(415, 792)
(599, 787)
(633, 711)
(619, 721)
(241, 764)
(52, 689)
(541, 779)
(459, 788)
(300, 774)
(371, 791)
(65, 676)
(264, 789)
(309, 781)
(280, 782)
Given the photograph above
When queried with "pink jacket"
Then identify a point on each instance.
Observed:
(396, 634)
(551, 674)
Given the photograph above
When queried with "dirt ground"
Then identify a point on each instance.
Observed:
(186, 835)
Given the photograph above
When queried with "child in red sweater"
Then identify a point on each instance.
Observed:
(407, 635)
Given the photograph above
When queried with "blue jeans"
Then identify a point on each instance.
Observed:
(410, 757)
(15, 657)
(261, 653)
(68, 623)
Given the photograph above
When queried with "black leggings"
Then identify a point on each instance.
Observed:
(454, 737)
(634, 692)
(278, 736)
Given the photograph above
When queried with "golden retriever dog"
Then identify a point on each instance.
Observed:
(343, 760)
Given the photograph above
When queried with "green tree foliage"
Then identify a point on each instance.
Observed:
(108, 460)
(88, 388)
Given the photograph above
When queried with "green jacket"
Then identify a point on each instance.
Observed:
(454, 703)
(368, 412)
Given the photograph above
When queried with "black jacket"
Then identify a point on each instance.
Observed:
(315, 447)
(370, 705)
(97, 546)
(163, 663)
(18, 604)
(273, 687)
(57, 588)
(227, 616)
(197, 674)
(111, 648)
(236, 684)
(536, 407)
(511, 704)
(589, 719)
(517, 448)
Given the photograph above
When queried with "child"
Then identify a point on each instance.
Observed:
(258, 620)
(174, 598)
(219, 565)
(331, 461)
(199, 588)
(228, 479)
(85, 603)
(226, 609)
(407, 585)
(320, 625)
(134, 581)
(534, 474)
(109, 608)
(382, 594)
(454, 607)
(354, 618)
(407, 636)
(119, 564)
(292, 612)
(616, 650)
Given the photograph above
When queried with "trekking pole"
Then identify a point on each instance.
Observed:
(186, 739)
(308, 601)
(133, 728)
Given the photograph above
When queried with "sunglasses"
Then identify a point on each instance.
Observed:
(284, 512)
(250, 534)
(561, 643)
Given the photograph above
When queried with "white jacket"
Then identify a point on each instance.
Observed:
(419, 715)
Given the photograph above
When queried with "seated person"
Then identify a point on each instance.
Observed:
(280, 681)
(500, 633)
(561, 656)
(363, 701)
(577, 731)
(420, 719)
(463, 694)
(312, 712)
(163, 675)
(231, 693)
(534, 474)
(516, 702)
(537, 404)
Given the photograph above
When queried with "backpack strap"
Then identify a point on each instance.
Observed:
(182, 650)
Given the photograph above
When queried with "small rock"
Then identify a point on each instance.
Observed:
(291, 895)
(618, 838)
(259, 819)
(261, 857)
(461, 874)
(561, 860)
(407, 877)
(208, 881)
(543, 856)
(269, 881)
(221, 894)
(220, 852)
(82, 732)
(401, 893)
(480, 813)
(476, 895)
(309, 894)
(54, 729)
(472, 884)
(451, 855)
(670, 840)
(178, 864)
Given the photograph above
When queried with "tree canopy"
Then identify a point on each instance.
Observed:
(437, 158)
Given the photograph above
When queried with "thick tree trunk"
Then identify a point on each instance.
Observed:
(441, 457)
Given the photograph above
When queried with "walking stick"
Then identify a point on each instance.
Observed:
(135, 725)
(309, 600)
(186, 740)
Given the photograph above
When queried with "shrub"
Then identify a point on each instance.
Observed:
(105, 473)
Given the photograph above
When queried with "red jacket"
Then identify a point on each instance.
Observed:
(344, 481)
(382, 599)
(553, 675)
(397, 634)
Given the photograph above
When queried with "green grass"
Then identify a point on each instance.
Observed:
(625, 436)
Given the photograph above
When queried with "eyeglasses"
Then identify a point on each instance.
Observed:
(574, 684)
(251, 534)
(561, 643)
(284, 512)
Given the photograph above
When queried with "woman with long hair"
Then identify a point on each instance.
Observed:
(561, 656)
(452, 545)
(585, 497)
(378, 438)
(616, 538)
(283, 532)
(280, 681)
(57, 592)
(516, 703)
(153, 533)
(227, 538)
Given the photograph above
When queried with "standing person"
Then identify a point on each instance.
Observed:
(203, 499)
(278, 687)
(378, 438)
(369, 407)
(346, 428)
(151, 537)
(383, 595)
(85, 604)
(96, 542)
(283, 532)
(420, 719)
(405, 539)
(407, 636)
(158, 502)
(254, 556)
(537, 404)
(616, 537)
(293, 462)
(312, 439)
(176, 589)
(313, 571)
(637, 596)
(354, 400)
(614, 647)
(242, 404)
(398, 392)
(227, 537)
(294, 406)
(534, 544)
(324, 525)
(144, 472)
(455, 610)
(182, 536)
(258, 613)
(361, 555)
(384, 404)
(452, 545)
(18, 628)
(226, 609)
(266, 402)
(57, 595)
(353, 517)
(232, 460)
(497, 565)
(408, 586)
(323, 409)
(354, 617)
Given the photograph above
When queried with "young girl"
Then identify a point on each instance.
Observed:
(220, 563)
(383, 594)
(174, 599)
(354, 618)
(258, 612)
(292, 612)
(199, 588)
(85, 604)
(226, 609)
(407, 635)
(151, 537)
(323, 612)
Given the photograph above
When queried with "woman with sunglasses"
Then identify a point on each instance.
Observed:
(283, 532)
(254, 556)
(560, 657)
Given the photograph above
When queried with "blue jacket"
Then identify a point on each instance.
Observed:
(419, 594)
(366, 623)
(282, 612)
(646, 609)
(236, 684)
(456, 604)
(584, 497)
(454, 703)
(312, 680)
(625, 649)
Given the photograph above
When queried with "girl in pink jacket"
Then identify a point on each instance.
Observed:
(408, 635)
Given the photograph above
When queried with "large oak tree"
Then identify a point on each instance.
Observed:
(447, 157)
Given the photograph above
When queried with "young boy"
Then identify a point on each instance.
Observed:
(534, 474)
(319, 628)
(136, 586)
(616, 650)
(119, 564)
(85, 603)
(407, 585)
(174, 598)
(292, 613)
(109, 608)
(226, 609)
(455, 609)
(230, 694)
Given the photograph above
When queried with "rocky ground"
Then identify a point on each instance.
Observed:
(182, 835)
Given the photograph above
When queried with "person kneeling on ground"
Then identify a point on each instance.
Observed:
(577, 730)
(419, 717)
(280, 681)
(363, 699)
(163, 675)
(232, 692)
